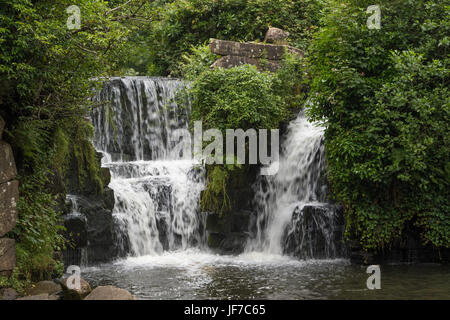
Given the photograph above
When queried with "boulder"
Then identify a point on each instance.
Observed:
(7, 256)
(49, 287)
(276, 35)
(7, 165)
(9, 193)
(109, 293)
(8, 294)
(43, 296)
(75, 294)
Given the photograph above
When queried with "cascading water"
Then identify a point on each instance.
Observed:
(293, 216)
(156, 187)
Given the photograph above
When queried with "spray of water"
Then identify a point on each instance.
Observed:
(296, 185)
(156, 191)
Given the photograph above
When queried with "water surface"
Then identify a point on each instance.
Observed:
(193, 274)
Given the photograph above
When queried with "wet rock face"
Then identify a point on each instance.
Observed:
(316, 231)
(90, 230)
(229, 233)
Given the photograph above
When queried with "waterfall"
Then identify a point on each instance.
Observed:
(157, 187)
(293, 216)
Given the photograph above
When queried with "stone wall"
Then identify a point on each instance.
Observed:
(9, 193)
(265, 56)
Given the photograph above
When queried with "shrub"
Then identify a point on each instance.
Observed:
(383, 97)
(182, 24)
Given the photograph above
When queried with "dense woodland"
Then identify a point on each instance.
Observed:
(382, 94)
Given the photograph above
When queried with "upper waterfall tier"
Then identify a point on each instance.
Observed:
(156, 190)
(137, 118)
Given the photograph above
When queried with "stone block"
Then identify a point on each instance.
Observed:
(7, 165)
(9, 194)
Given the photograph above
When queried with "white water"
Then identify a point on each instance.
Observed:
(156, 192)
(294, 186)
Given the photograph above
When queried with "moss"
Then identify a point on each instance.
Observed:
(214, 197)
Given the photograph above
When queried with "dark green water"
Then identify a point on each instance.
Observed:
(198, 275)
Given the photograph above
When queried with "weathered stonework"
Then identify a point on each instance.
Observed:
(234, 61)
(265, 56)
(7, 165)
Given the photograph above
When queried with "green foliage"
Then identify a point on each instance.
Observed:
(215, 197)
(197, 61)
(383, 97)
(38, 227)
(234, 98)
(240, 97)
(47, 73)
(181, 24)
(85, 162)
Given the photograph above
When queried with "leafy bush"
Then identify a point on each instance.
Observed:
(383, 97)
(182, 24)
(239, 97)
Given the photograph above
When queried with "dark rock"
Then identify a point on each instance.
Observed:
(9, 194)
(91, 229)
(49, 287)
(8, 294)
(109, 293)
(76, 230)
(240, 221)
(276, 35)
(2, 126)
(75, 256)
(228, 233)
(407, 249)
(235, 61)
(75, 294)
(7, 165)
(316, 231)
(7, 256)
(218, 224)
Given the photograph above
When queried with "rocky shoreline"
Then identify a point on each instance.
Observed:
(59, 290)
